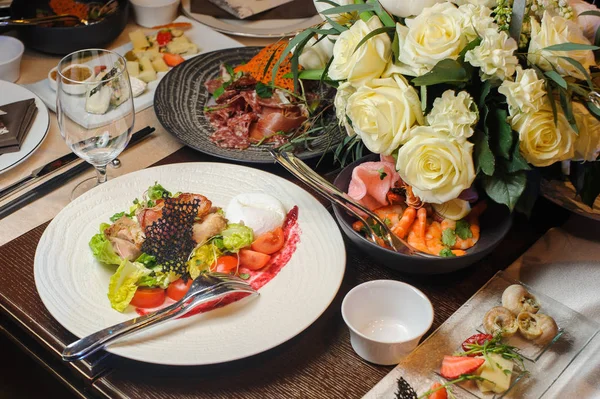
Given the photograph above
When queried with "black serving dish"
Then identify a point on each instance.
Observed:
(495, 224)
(62, 40)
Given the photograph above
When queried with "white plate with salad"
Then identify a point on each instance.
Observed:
(107, 257)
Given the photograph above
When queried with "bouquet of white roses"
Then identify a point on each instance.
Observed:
(466, 91)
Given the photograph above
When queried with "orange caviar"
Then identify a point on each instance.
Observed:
(256, 66)
(69, 7)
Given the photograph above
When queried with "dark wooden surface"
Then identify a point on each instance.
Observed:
(318, 363)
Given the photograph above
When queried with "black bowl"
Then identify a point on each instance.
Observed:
(64, 40)
(495, 223)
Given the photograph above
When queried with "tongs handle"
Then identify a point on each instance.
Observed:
(299, 169)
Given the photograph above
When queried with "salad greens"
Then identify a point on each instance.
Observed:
(122, 285)
(237, 236)
(102, 248)
(202, 258)
(156, 192)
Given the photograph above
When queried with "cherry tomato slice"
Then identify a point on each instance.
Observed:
(163, 37)
(269, 242)
(177, 289)
(148, 297)
(253, 260)
(226, 263)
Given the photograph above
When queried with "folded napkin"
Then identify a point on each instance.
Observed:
(15, 121)
(294, 9)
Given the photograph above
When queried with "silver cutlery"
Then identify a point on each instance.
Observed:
(43, 20)
(303, 172)
(205, 288)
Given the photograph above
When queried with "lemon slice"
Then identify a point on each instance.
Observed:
(455, 209)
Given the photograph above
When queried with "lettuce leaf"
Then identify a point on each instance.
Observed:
(156, 192)
(236, 237)
(158, 278)
(122, 285)
(202, 258)
(103, 250)
(147, 260)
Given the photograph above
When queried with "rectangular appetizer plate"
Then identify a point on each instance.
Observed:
(544, 365)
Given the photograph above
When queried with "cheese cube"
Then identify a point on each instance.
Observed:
(133, 67)
(138, 39)
(160, 65)
(497, 372)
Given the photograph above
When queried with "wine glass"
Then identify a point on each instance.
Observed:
(94, 108)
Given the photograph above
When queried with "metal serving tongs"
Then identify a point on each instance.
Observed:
(303, 172)
(43, 20)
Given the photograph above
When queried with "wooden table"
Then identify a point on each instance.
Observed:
(318, 363)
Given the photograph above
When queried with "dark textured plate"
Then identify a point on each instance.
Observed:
(495, 224)
(180, 98)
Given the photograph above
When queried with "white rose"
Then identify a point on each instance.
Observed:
(588, 23)
(454, 114)
(438, 168)
(495, 55)
(526, 94)
(407, 8)
(344, 91)
(365, 64)
(476, 19)
(432, 36)
(557, 30)
(316, 55)
(587, 145)
(383, 112)
(484, 3)
(541, 142)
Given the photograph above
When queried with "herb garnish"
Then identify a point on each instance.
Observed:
(263, 90)
(449, 237)
(463, 229)
(244, 276)
(447, 253)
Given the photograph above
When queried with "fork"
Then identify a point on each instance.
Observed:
(206, 287)
(303, 172)
(43, 20)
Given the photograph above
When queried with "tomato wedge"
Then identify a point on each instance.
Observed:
(253, 260)
(148, 297)
(269, 242)
(177, 289)
(226, 263)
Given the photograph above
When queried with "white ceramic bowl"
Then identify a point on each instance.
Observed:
(74, 88)
(386, 319)
(150, 13)
(11, 52)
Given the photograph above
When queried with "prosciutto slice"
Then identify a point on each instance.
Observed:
(371, 182)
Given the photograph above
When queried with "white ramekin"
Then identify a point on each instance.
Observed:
(76, 89)
(11, 52)
(386, 318)
(150, 13)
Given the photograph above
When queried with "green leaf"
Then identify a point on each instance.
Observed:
(385, 18)
(517, 162)
(584, 71)
(117, 216)
(382, 173)
(244, 276)
(446, 71)
(299, 39)
(447, 253)
(122, 285)
(485, 91)
(396, 46)
(550, 91)
(220, 90)
(484, 158)
(570, 47)
(555, 76)
(103, 250)
(348, 8)
(505, 188)
(530, 194)
(567, 107)
(591, 12)
(505, 137)
(448, 237)
(593, 109)
(374, 32)
(463, 229)
(470, 46)
(335, 25)
(307, 74)
(157, 192)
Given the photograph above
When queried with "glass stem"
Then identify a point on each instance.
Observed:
(101, 174)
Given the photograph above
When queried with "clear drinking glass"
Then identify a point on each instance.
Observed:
(94, 108)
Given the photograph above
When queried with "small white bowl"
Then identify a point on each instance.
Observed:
(386, 319)
(76, 89)
(150, 13)
(11, 52)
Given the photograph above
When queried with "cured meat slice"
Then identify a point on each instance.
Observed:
(371, 182)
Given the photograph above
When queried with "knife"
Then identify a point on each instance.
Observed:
(57, 164)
